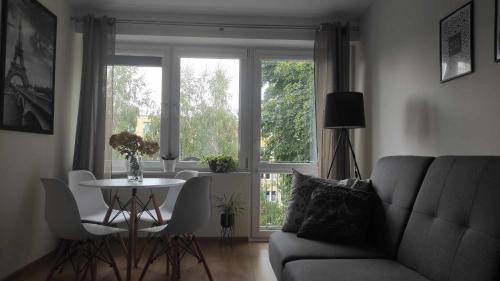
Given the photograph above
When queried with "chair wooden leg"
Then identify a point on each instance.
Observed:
(60, 252)
(93, 269)
(87, 266)
(149, 260)
(198, 249)
(167, 258)
(112, 260)
(177, 259)
(122, 243)
(167, 265)
(141, 251)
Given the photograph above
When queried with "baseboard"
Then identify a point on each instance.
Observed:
(16, 274)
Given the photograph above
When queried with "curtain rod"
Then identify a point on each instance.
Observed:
(215, 24)
(219, 25)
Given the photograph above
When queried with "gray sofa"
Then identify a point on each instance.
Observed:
(437, 219)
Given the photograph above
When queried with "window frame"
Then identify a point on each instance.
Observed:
(258, 166)
(140, 55)
(174, 117)
(249, 116)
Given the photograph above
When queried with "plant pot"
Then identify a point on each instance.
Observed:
(134, 169)
(226, 220)
(169, 166)
(217, 168)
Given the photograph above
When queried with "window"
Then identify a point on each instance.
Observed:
(209, 107)
(200, 101)
(287, 115)
(274, 194)
(287, 133)
(137, 96)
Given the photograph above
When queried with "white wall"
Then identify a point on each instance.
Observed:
(25, 157)
(410, 111)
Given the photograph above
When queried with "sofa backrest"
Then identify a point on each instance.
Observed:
(454, 229)
(396, 180)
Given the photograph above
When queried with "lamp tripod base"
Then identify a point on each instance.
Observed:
(344, 134)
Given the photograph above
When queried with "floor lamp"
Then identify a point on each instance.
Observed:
(344, 111)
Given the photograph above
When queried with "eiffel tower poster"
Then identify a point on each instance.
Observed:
(27, 67)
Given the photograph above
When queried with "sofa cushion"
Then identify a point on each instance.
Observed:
(349, 270)
(338, 215)
(454, 229)
(285, 247)
(396, 180)
(302, 187)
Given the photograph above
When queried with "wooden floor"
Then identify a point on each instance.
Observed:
(243, 262)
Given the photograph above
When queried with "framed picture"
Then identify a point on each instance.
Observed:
(497, 31)
(27, 67)
(456, 43)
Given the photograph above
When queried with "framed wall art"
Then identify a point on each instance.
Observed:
(456, 43)
(27, 67)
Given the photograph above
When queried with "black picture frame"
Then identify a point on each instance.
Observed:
(27, 67)
(497, 31)
(456, 43)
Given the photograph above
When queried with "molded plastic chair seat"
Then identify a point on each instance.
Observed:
(153, 229)
(191, 212)
(90, 201)
(97, 230)
(165, 215)
(79, 240)
(98, 217)
(167, 206)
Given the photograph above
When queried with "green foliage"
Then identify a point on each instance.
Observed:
(131, 96)
(229, 204)
(287, 111)
(220, 163)
(286, 128)
(272, 214)
(207, 125)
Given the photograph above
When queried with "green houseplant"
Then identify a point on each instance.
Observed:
(229, 207)
(220, 163)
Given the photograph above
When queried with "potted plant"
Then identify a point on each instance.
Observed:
(220, 163)
(229, 207)
(133, 147)
(169, 162)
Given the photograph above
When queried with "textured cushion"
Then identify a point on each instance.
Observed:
(340, 214)
(349, 270)
(396, 180)
(302, 187)
(454, 229)
(285, 247)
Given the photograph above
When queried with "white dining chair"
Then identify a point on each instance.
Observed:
(90, 200)
(80, 241)
(168, 205)
(177, 238)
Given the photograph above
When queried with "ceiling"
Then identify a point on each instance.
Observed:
(281, 8)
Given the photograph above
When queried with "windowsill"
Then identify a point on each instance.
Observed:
(161, 174)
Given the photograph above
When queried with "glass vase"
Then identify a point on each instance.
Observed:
(134, 169)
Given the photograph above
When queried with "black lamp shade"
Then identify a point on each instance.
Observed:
(344, 110)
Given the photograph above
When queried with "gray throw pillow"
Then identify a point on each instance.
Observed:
(302, 187)
(340, 214)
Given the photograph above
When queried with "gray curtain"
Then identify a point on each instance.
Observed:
(331, 74)
(95, 109)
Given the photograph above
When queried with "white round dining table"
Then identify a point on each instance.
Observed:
(122, 184)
